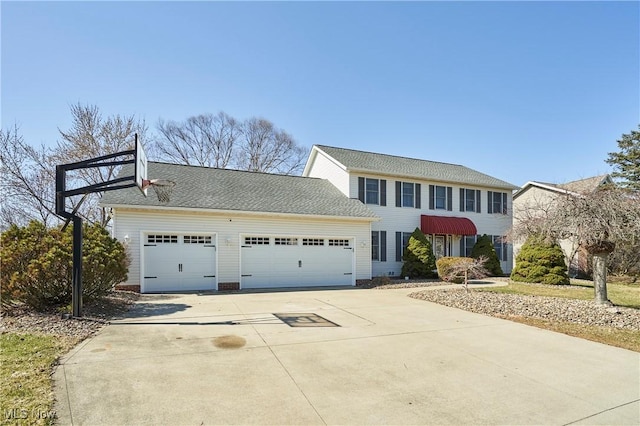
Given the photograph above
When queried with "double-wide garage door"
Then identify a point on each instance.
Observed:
(179, 262)
(273, 261)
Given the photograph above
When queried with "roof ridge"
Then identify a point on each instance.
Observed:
(602, 176)
(390, 155)
(195, 166)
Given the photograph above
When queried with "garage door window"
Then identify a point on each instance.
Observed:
(197, 239)
(256, 241)
(280, 241)
(161, 239)
(312, 242)
(340, 243)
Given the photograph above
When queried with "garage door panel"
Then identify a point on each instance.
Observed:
(310, 262)
(179, 263)
(160, 275)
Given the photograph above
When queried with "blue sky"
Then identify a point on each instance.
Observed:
(518, 90)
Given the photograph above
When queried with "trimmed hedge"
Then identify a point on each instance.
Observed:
(37, 265)
(444, 265)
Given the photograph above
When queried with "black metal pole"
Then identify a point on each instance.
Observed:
(61, 196)
(76, 281)
(60, 188)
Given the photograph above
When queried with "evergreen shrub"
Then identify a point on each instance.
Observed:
(37, 265)
(540, 262)
(484, 247)
(418, 257)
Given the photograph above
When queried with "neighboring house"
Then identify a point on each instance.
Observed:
(450, 203)
(228, 229)
(536, 197)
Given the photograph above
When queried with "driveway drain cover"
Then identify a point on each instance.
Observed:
(305, 320)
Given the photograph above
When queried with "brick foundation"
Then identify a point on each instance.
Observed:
(228, 286)
(127, 287)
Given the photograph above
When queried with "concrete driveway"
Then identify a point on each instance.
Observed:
(226, 359)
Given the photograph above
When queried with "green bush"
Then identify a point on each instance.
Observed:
(444, 265)
(484, 247)
(540, 262)
(37, 265)
(419, 260)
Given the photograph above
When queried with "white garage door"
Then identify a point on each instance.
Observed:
(179, 262)
(272, 261)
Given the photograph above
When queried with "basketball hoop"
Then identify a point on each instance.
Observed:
(162, 187)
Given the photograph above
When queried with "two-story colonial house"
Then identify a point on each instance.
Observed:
(346, 220)
(450, 203)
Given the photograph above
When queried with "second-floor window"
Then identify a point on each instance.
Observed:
(440, 197)
(372, 191)
(469, 200)
(497, 202)
(407, 194)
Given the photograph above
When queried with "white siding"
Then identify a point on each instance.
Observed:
(407, 219)
(326, 168)
(135, 223)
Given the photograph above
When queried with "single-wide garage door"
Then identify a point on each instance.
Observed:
(274, 261)
(179, 262)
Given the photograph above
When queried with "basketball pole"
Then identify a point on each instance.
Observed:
(62, 194)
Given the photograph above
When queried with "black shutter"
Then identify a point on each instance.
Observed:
(398, 194)
(461, 199)
(399, 247)
(383, 192)
(361, 189)
(383, 246)
(431, 191)
(449, 198)
(418, 195)
(489, 202)
(478, 202)
(504, 203)
(462, 250)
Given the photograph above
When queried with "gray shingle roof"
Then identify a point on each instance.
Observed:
(411, 167)
(222, 189)
(582, 186)
(585, 185)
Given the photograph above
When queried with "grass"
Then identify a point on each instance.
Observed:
(26, 362)
(627, 295)
(626, 339)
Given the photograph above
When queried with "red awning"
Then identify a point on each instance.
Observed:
(447, 225)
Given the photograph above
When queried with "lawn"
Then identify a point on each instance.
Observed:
(627, 295)
(26, 362)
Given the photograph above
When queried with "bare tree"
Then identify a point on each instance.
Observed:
(92, 136)
(203, 140)
(267, 149)
(469, 268)
(27, 181)
(595, 220)
(221, 141)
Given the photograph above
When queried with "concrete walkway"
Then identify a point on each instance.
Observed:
(226, 359)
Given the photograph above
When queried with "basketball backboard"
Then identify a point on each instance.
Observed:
(140, 166)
